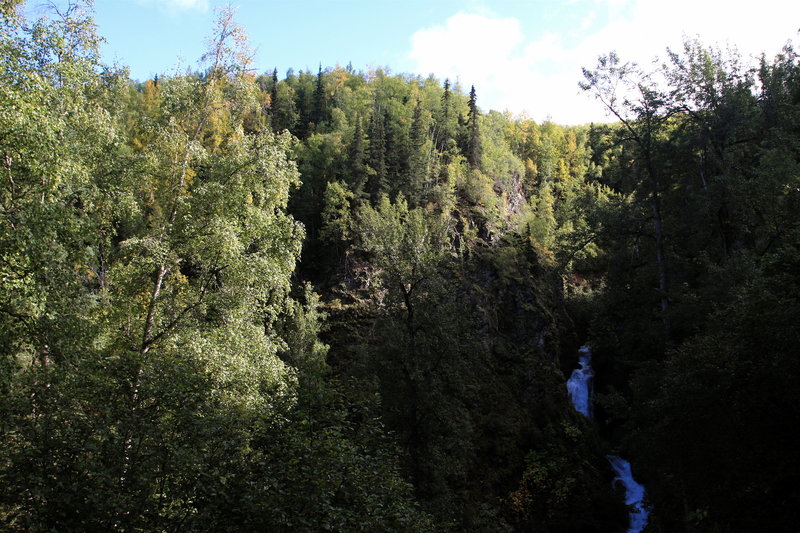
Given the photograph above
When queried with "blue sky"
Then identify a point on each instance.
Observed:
(524, 56)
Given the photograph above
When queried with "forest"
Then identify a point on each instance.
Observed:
(349, 300)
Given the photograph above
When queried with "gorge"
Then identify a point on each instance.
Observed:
(579, 386)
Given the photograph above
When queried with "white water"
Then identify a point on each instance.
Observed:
(579, 384)
(580, 391)
(634, 493)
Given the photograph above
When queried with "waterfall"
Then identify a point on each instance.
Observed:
(579, 386)
(634, 493)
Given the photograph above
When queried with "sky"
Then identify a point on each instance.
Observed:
(522, 56)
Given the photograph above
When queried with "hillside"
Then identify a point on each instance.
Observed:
(349, 300)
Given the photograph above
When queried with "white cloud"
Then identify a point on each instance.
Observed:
(176, 6)
(465, 42)
(538, 74)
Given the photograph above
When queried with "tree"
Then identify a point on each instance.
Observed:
(144, 286)
(474, 139)
(357, 171)
(320, 104)
(337, 214)
(9, 7)
(378, 180)
(714, 97)
(445, 117)
(284, 112)
(631, 96)
(418, 157)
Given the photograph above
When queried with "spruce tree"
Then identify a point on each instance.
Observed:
(445, 133)
(474, 138)
(378, 180)
(305, 89)
(356, 161)
(318, 111)
(398, 146)
(273, 94)
(417, 168)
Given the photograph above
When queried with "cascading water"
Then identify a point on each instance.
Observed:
(579, 386)
(634, 493)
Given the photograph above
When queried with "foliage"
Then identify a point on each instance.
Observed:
(698, 371)
(166, 364)
(147, 256)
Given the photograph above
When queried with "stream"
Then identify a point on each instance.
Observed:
(580, 389)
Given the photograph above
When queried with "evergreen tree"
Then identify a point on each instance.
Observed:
(417, 158)
(320, 104)
(398, 146)
(445, 131)
(284, 113)
(357, 171)
(474, 139)
(304, 85)
(273, 92)
(378, 180)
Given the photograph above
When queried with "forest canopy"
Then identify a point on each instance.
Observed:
(348, 300)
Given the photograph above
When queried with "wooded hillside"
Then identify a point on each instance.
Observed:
(347, 300)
